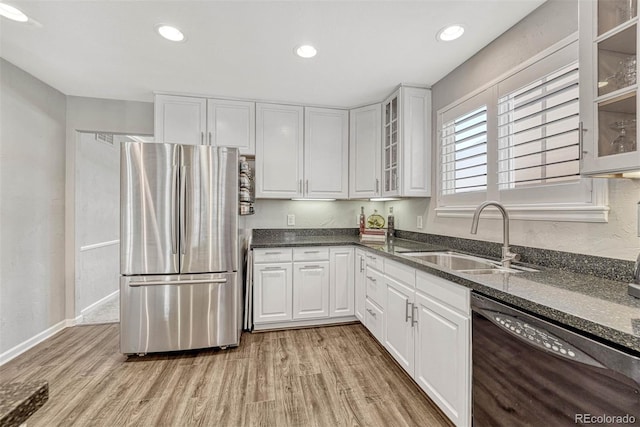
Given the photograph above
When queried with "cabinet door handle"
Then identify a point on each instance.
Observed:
(377, 185)
(201, 138)
(306, 187)
(406, 311)
(209, 138)
(414, 320)
(300, 187)
(581, 131)
(361, 264)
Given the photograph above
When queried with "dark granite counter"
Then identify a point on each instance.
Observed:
(18, 401)
(595, 305)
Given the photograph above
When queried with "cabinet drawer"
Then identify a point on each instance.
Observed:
(311, 254)
(375, 287)
(272, 255)
(374, 260)
(374, 320)
(400, 272)
(451, 294)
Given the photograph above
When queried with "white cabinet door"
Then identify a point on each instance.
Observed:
(272, 287)
(180, 119)
(279, 151)
(416, 142)
(232, 124)
(399, 339)
(364, 151)
(359, 284)
(442, 358)
(326, 153)
(310, 289)
(341, 284)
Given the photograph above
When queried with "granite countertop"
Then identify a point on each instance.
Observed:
(19, 400)
(597, 306)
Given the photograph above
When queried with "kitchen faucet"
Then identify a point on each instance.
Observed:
(507, 255)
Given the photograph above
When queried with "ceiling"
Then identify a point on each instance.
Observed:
(244, 49)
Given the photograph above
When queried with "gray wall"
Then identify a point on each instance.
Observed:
(550, 23)
(32, 180)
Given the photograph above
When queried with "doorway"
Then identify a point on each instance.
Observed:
(97, 213)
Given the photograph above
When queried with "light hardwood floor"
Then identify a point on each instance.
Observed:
(331, 376)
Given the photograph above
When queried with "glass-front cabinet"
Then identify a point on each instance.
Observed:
(609, 87)
(390, 147)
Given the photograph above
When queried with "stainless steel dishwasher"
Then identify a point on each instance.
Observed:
(530, 372)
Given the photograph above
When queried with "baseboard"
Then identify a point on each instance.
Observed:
(97, 303)
(16, 351)
(310, 323)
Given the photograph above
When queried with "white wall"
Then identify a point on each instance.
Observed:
(97, 219)
(92, 114)
(547, 25)
(310, 214)
(32, 180)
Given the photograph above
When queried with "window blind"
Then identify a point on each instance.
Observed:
(464, 153)
(538, 132)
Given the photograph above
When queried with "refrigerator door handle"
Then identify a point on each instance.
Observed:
(183, 208)
(174, 213)
(177, 282)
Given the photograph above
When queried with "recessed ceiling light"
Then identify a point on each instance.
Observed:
(306, 51)
(170, 33)
(12, 13)
(450, 33)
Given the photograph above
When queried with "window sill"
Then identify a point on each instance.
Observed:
(569, 213)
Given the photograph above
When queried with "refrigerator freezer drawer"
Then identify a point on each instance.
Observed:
(180, 312)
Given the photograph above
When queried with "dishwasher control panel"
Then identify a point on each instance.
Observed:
(540, 338)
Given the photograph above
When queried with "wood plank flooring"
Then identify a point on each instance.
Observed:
(325, 377)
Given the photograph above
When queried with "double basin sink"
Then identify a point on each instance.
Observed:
(464, 263)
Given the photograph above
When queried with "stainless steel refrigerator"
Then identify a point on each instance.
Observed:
(179, 285)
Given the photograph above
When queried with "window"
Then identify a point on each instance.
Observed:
(464, 153)
(538, 132)
(517, 141)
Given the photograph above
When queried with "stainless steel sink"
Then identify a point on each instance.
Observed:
(464, 263)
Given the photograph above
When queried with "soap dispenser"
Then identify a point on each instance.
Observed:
(391, 227)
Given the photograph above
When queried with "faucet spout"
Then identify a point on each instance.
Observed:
(507, 255)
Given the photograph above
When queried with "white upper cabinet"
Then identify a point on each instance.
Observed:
(180, 119)
(301, 155)
(406, 143)
(195, 120)
(608, 88)
(232, 124)
(365, 147)
(326, 153)
(279, 151)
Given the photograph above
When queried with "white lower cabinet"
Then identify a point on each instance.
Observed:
(399, 336)
(442, 366)
(341, 283)
(311, 289)
(272, 292)
(360, 276)
(313, 286)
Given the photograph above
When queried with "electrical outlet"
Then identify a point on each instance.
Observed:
(419, 221)
(291, 219)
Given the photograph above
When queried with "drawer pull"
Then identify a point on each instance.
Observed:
(313, 266)
(371, 278)
(273, 268)
(311, 252)
(273, 253)
(371, 312)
